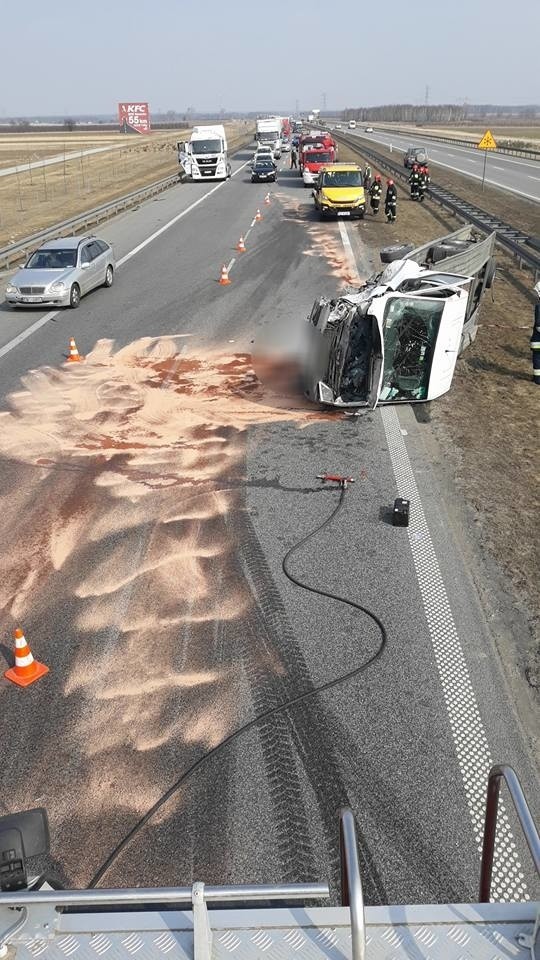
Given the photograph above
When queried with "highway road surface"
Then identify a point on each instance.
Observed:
(148, 497)
(515, 174)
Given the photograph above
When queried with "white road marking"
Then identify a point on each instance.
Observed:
(348, 249)
(533, 178)
(119, 263)
(28, 332)
(468, 732)
(231, 264)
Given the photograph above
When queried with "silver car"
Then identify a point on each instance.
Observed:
(61, 271)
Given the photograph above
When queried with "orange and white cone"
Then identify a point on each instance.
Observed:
(267, 198)
(240, 246)
(224, 278)
(26, 669)
(74, 355)
(258, 216)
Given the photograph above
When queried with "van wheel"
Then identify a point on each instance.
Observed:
(398, 251)
(75, 296)
(109, 276)
(490, 273)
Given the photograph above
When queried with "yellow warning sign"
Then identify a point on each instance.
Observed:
(487, 142)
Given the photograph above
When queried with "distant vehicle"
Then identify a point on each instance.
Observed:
(268, 132)
(338, 126)
(399, 337)
(313, 160)
(339, 191)
(415, 155)
(368, 129)
(285, 146)
(204, 156)
(352, 124)
(263, 170)
(264, 155)
(62, 271)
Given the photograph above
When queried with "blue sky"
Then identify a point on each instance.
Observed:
(70, 57)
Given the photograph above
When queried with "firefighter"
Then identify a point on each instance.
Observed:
(293, 158)
(375, 192)
(414, 181)
(423, 180)
(390, 201)
(535, 339)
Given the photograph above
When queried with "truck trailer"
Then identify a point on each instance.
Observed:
(204, 156)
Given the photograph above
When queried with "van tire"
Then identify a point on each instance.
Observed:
(398, 251)
(491, 270)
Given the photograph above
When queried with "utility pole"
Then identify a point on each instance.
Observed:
(426, 104)
(297, 104)
(324, 102)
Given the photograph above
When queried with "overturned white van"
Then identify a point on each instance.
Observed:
(399, 336)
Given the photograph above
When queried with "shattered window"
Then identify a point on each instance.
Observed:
(411, 327)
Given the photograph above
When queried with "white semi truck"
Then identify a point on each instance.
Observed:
(268, 132)
(204, 156)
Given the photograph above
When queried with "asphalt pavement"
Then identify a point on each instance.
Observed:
(149, 496)
(515, 174)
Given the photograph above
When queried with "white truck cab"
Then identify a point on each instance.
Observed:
(204, 156)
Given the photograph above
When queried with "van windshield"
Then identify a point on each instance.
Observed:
(411, 327)
(342, 178)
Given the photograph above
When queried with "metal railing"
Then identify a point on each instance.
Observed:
(510, 238)
(351, 882)
(496, 774)
(524, 152)
(20, 249)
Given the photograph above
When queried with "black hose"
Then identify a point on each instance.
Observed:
(280, 708)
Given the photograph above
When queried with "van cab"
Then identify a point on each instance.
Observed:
(339, 191)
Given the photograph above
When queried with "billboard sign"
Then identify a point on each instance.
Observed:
(134, 117)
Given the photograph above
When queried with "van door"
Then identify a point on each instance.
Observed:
(446, 349)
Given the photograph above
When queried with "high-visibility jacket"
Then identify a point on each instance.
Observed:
(535, 344)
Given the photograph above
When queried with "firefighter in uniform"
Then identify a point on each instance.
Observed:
(375, 192)
(414, 181)
(422, 183)
(390, 201)
(535, 339)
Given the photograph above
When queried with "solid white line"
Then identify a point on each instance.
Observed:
(468, 732)
(28, 332)
(348, 249)
(119, 263)
(231, 264)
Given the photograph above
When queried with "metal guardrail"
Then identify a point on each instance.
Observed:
(510, 238)
(496, 774)
(20, 249)
(16, 251)
(524, 152)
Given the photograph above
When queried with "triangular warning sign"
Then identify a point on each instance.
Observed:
(487, 142)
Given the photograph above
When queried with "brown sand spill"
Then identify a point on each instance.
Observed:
(123, 505)
(322, 244)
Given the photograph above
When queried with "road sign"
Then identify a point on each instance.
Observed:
(487, 142)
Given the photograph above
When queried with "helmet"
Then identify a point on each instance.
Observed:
(390, 183)
(378, 177)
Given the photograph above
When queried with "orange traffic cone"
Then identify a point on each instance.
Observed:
(240, 246)
(26, 669)
(267, 198)
(224, 278)
(258, 215)
(74, 355)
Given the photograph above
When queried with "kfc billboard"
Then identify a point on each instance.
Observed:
(134, 117)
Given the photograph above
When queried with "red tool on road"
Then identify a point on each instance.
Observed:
(335, 478)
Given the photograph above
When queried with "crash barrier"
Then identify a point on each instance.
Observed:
(21, 249)
(524, 152)
(510, 238)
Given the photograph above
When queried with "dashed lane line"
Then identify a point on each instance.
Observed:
(140, 246)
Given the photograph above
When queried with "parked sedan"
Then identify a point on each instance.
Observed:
(263, 170)
(61, 271)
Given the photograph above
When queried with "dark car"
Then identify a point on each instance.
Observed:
(415, 155)
(263, 170)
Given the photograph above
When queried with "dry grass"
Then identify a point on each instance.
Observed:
(35, 199)
(24, 148)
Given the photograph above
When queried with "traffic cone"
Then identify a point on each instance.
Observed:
(74, 355)
(267, 198)
(26, 669)
(240, 246)
(224, 278)
(258, 216)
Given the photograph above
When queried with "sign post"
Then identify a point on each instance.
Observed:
(487, 143)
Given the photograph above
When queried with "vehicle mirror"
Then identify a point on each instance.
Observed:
(85, 265)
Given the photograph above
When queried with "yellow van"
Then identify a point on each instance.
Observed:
(339, 191)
